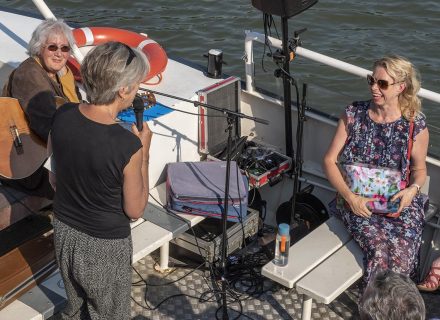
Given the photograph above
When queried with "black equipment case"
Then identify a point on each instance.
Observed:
(204, 240)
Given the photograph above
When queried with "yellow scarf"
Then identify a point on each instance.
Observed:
(67, 83)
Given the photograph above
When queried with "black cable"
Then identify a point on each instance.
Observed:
(205, 260)
(247, 278)
(169, 212)
(232, 294)
(248, 274)
(148, 307)
(162, 284)
(232, 297)
(268, 21)
(240, 214)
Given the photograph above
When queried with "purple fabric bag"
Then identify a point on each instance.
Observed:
(198, 188)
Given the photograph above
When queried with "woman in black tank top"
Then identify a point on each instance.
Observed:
(101, 183)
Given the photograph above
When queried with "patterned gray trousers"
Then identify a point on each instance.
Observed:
(96, 274)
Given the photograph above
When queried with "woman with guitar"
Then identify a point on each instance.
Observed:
(101, 182)
(40, 83)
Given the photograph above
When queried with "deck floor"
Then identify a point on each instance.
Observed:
(176, 295)
(274, 302)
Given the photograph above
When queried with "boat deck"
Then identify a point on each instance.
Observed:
(187, 293)
(192, 296)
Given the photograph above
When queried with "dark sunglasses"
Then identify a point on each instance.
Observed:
(54, 47)
(382, 84)
(131, 55)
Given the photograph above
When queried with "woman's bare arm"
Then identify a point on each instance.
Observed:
(357, 203)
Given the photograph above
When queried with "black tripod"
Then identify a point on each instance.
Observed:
(231, 117)
(288, 80)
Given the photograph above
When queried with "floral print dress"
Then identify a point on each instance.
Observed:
(388, 243)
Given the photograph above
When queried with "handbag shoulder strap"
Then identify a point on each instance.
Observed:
(410, 145)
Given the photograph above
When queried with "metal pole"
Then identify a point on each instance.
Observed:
(224, 244)
(286, 85)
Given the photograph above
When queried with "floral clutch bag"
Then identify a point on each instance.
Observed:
(373, 182)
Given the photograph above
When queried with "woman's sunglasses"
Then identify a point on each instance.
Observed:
(54, 47)
(131, 55)
(382, 84)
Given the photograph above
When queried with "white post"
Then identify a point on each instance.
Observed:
(48, 14)
(164, 256)
(249, 61)
(44, 9)
(307, 308)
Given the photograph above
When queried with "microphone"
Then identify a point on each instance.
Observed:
(139, 107)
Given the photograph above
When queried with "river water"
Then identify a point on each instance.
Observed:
(357, 32)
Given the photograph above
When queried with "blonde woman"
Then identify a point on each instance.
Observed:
(377, 132)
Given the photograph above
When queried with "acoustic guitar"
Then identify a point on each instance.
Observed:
(21, 151)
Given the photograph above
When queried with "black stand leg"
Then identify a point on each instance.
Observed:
(224, 244)
(297, 171)
(286, 89)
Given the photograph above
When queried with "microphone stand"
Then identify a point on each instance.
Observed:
(231, 116)
(299, 147)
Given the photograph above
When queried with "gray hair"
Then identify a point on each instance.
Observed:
(44, 31)
(391, 296)
(110, 67)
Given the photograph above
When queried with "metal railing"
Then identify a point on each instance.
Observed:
(312, 55)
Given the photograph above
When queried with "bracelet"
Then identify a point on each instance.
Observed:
(417, 187)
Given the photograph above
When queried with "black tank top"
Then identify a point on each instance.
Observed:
(90, 158)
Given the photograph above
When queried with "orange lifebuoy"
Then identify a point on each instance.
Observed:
(94, 36)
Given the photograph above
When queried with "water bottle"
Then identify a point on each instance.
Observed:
(282, 245)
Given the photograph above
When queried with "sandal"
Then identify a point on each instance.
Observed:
(431, 282)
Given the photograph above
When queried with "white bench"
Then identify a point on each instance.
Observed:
(321, 265)
(332, 277)
(148, 236)
(46, 299)
(309, 252)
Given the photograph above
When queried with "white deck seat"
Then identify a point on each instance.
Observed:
(332, 277)
(147, 236)
(309, 252)
(338, 272)
(322, 272)
(322, 265)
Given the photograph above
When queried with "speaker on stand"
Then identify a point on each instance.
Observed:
(283, 8)
(286, 9)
